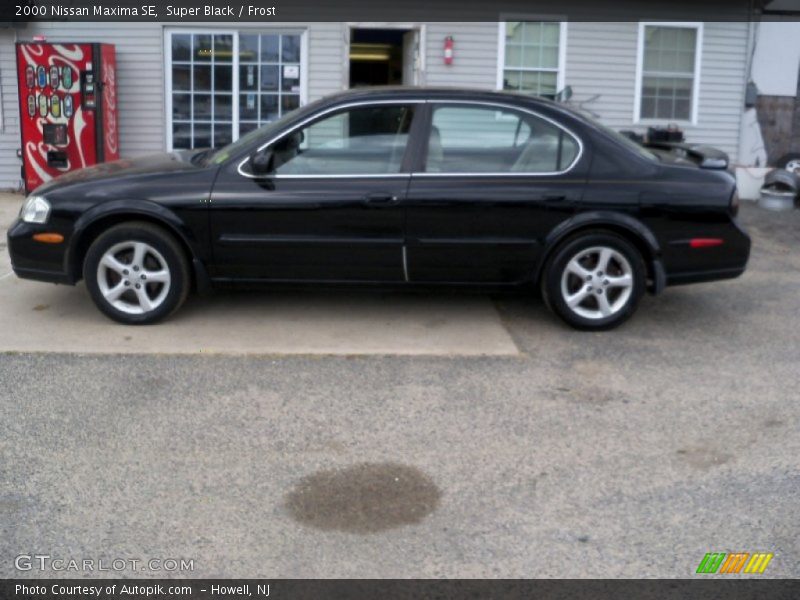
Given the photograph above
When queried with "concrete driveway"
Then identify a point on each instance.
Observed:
(629, 453)
(43, 317)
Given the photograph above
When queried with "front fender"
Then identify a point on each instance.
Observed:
(146, 209)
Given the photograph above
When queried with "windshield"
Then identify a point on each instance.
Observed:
(262, 133)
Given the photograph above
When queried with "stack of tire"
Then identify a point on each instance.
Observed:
(781, 186)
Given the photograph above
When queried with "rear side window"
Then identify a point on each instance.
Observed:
(484, 139)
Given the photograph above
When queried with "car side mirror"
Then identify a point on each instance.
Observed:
(261, 163)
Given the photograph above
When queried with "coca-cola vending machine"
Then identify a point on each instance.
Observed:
(68, 108)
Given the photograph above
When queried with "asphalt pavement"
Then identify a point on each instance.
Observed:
(628, 453)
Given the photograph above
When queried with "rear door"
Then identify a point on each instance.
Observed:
(494, 181)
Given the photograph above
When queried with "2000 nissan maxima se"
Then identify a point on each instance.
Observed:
(411, 187)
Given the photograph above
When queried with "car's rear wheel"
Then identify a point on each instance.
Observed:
(136, 273)
(595, 281)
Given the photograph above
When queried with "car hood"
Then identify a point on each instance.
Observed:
(167, 162)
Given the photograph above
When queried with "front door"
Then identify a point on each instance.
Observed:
(494, 182)
(331, 207)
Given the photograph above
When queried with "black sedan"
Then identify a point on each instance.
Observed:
(394, 187)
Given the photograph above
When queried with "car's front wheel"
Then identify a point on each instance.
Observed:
(595, 280)
(136, 273)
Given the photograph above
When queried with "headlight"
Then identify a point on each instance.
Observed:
(35, 210)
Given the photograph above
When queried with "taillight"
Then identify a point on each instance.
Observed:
(735, 203)
(705, 242)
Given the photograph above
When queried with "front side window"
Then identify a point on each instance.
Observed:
(531, 57)
(467, 139)
(668, 81)
(367, 140)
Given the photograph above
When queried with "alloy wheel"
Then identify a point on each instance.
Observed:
(597, 282)
(133, 277)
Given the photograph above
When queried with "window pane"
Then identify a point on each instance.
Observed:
(202, 48)
(223, 48)
(475, 140)
(181, 77)
(202, 106)
(223, 78)
(290, 48)
(248, 106)
(222, 134)
(514, 32)
(532, 33)
(202, 136)
(368, 140)
(248, 48)
(222, 107)
(181, 47)
(269, 107)
(181, 135)
(550, 33)
(269, 48)
(269, 78)
(248, 77)
(181, 106)
(289, 102)
(202, 78)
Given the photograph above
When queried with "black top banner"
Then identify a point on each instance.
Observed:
(18, 12)
(407, 589)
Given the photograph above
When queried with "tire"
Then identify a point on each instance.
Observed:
(571, 295)
(782, 180)
(144, 255)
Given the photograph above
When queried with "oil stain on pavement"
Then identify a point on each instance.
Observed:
(364, 498)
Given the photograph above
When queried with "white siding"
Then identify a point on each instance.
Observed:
(611, 76)
(600, 60)
(9, 132)
(475, 55)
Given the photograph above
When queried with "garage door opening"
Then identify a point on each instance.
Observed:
(383, 57)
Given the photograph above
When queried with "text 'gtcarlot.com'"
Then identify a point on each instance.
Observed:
(45, 562)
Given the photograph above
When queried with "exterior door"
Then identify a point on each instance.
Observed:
(330, 208)
(494, 182)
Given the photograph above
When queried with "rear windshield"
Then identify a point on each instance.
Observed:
(622, 139)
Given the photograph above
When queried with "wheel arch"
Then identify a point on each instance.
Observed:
(92, 223)
(626, 226)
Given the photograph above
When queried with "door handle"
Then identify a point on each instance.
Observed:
(381, 199)
(554, 198)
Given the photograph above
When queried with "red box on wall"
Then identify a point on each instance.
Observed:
(68, 108)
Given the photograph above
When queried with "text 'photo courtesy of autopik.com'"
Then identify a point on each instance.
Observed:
(441, 299)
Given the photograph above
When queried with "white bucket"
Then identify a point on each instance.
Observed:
(749, 181)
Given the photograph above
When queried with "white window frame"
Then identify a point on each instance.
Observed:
(562, 47)
(637, 106)
(168, 31)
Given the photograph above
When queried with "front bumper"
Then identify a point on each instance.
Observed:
(35, 260)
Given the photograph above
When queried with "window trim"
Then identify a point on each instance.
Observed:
(561, 71)
(235, 87)
(512, 108)
(412, 173)
(637, 101)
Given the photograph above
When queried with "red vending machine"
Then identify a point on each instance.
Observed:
(68, 108)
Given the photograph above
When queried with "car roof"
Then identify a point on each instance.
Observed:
(437, 93)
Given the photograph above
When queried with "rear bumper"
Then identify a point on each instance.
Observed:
(686, 264)
(34, 260)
